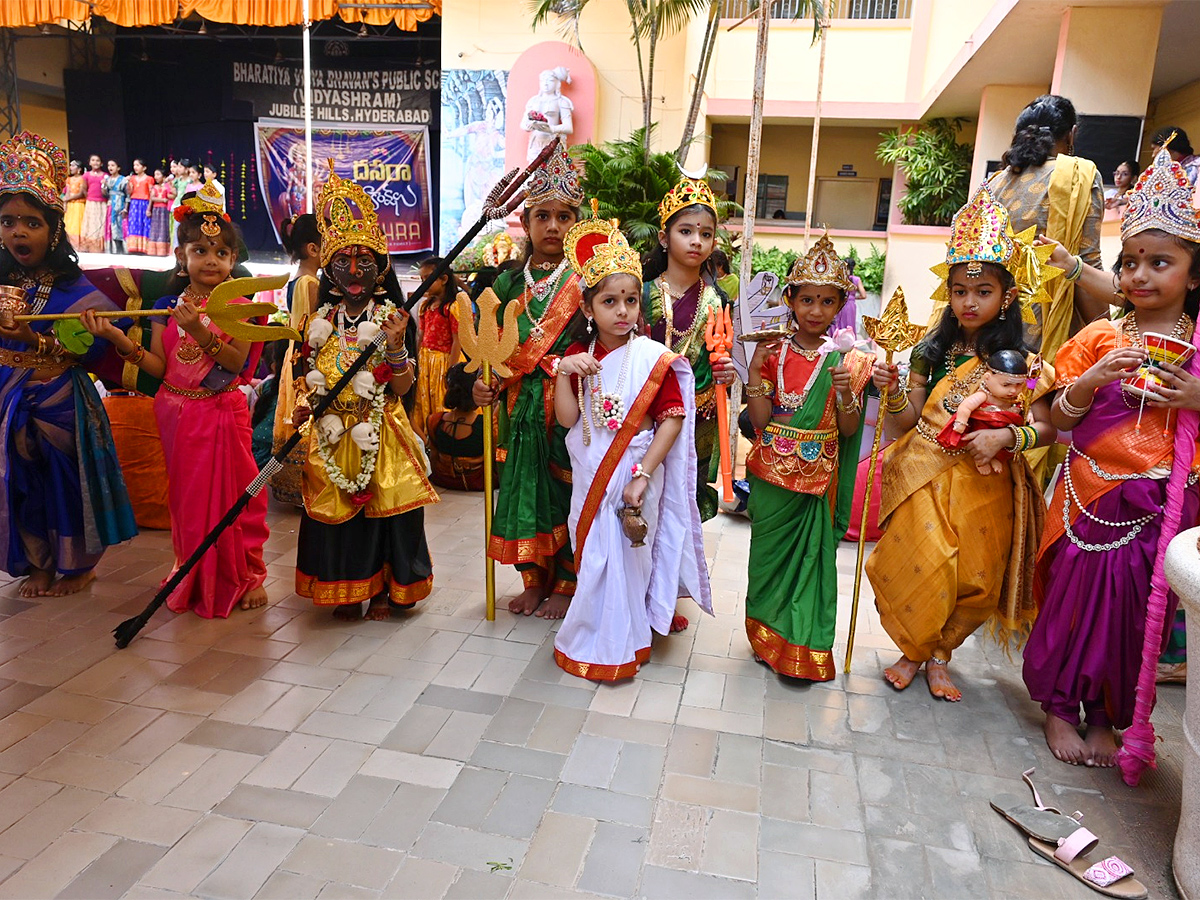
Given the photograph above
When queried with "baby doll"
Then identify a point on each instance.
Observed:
(996, 404)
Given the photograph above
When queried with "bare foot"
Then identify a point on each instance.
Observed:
(901, 673)
(72, 584)
(37, 584)
(555, 606)
(348, 612)
(255, 598)
(378, 610)
(1065, 743)
(1102, 744)
(939, 682)
(679, 623)
(526, 602)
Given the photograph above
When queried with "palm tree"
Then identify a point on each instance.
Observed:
(650, 20)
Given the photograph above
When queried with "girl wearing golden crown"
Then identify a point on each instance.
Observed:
(959, 543)
(529, 528)
(805, 402)
(679, 293)
(629, 404)
(1129, 482)
(62, 498)
(362, 532)
(202, 417)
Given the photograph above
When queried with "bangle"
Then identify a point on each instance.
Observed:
(638, 471)
(894, 407)
(1033, 436)
(852, 406)
(762, 389)
(133, 356)
(1025, 437)
(213, 347)
(1071, 410)
(1018, 439)
(1074, 274)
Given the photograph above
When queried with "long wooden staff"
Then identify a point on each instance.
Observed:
(503, 199)
(892, 332)
(718, 338)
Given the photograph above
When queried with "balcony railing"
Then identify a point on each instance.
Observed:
(838, 9)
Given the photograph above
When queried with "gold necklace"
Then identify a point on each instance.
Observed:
(1129, 324)
(959, 389)
(187, 351)
(672, 332)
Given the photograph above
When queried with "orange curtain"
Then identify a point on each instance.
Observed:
(135, 13)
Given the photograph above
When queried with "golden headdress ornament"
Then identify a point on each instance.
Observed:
(596, 248)
(981, 232)
(346, 218)
(207, 203)
(30, 164)
(1162, 199)
(556, 179)
(821, 265)
(688, 192)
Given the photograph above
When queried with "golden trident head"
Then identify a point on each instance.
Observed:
(892, 330)
(484, 343)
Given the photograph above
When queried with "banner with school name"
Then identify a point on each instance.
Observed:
(391, 164)
(404, 96)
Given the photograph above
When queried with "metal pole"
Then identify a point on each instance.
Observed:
(816, 139)
(308, 160)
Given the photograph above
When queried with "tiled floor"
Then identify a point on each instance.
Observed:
(285, 754)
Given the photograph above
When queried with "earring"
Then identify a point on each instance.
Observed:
(1003, 312)
(589, 325)
(633, 329)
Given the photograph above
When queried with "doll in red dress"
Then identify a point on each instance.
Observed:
(997, 404)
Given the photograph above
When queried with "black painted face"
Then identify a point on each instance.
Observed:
(354, 269)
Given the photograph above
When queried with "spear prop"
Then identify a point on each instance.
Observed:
(893, 332)
(504, 198)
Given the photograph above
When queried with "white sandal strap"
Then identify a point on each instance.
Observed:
(1081, 841)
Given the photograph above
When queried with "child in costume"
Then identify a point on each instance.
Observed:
(995, 405)
(455, 444)
(529, 528)
(362, 532)
(203, 418)
(1107, 518)
(959, 543)
(628, 402)
(805, 405)
(62, 497)
(439, 345)
(679, 293)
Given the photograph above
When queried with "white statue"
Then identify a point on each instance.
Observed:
(548, 113)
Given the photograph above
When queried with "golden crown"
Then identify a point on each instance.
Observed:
(1162, 199)
(206, 200)
(821, 265)
(596, 249)
(346, 218)
(556, 179)
(688, 192)
(30, 164)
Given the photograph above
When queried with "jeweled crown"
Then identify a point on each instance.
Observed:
(30, 164)
(821, 265)
(596, 248)
(689, 191)
(346, 218)
(206, 200)
(556, 179)
(1162, 198)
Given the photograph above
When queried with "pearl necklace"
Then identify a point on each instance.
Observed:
(787, 399)
(348, 327)
(538, 290)
(608, 408)
(672, 332)
(1135, 526)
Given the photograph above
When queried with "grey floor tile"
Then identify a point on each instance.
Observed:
(671, 884)
(614, 862)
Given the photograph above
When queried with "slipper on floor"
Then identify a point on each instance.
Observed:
(1110, 877)
(1046, 825)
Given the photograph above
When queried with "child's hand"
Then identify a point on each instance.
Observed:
(635, 491)
(394, 327)
(762, 352)
(841, 379)
(1115, 364)
(1180, 390)
(16, 331)
(579, 364)
(101, 328)
(482, 394)
(187, 317)
(886, 377)
(983, 445)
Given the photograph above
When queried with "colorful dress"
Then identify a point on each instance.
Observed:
(438, 327)
(61, 489)
(117, 191)
(179, 185)
(685, 320)
(73, 218)
(204, 423)
(624, 592)
(1086, 646)
(959, 545)
(95, 214)
(802, 483)
(529, 528)
(357, 544)
(285, 484)
(137, 223)
(159, 243)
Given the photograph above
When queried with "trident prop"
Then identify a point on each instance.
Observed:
(718, 338)
(893, 332)
(503, 199)
(488, 350)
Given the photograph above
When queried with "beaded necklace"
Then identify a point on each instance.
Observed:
(608, 408)
(668, 299)
(538, 290)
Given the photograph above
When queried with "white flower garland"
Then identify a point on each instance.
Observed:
(369, 457)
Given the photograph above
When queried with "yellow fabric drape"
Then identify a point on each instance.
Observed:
(137, 13)
(1070, 197)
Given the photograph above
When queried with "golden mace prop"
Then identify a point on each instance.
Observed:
(487, 348)
(893, 332)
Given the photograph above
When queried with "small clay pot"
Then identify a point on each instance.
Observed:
(633, 525)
